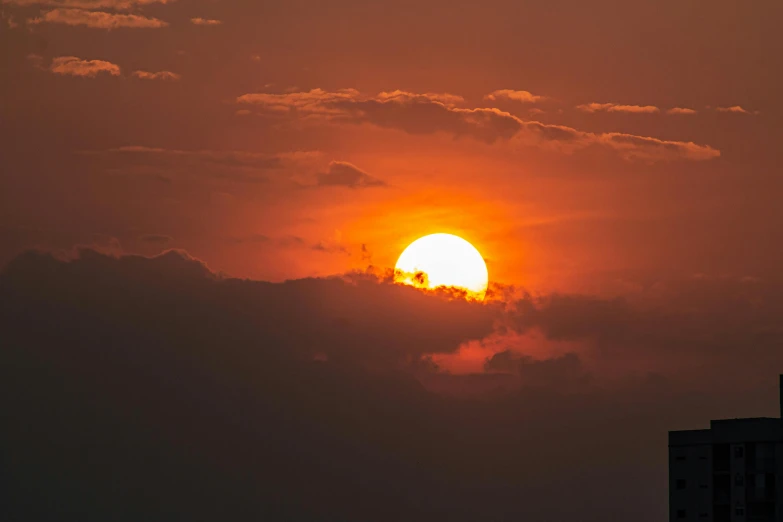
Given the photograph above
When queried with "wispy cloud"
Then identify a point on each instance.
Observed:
(344, 174)
(509, 94)
(98, 19)
(229, 165)
(118, 5)
(614, 107)
(205, 21)
(425, 114)
(73, 66)
(681, 110)
(735, 109)
(160, 75)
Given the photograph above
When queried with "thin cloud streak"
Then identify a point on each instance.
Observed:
(736, 109)
(160, 75)
(118, 5)
(97, 19)
(613, 107)
(205, 21)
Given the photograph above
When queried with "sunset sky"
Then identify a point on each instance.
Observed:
(617, 164)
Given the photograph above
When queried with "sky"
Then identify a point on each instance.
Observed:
(239, 178)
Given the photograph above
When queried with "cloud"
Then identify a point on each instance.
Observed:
(344, 174)
(449, 100)
(73, 66)
(428, 114)
(735, 109)
(230, 165)
(314, 102)
(160, 75)
(508, 94)
(119, 5)
(278, 398)
(331, 248)
(98, 19)
(680, 110)
(652, 149)
(205, 21)
(567, 370)
(613, 107)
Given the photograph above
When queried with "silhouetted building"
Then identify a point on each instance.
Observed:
(732, 472)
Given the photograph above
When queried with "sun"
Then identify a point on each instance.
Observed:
(443, 260)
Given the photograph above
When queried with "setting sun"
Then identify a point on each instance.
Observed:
(440, 260)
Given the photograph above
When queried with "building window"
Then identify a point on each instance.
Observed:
(704, 515)
(681, 513)
(739, 479)
(739, 510)
(681, 458)
(703, 486)
(681, 483)
(739, 452)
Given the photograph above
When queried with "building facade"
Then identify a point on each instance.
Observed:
(731, 472)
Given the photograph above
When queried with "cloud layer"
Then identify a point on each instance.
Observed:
(120, 5)
(614, 107)
(243, 399)
(429, 113)
(98, 19)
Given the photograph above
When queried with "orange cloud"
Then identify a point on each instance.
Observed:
(735, 109)
(509, 94)
(680, 110)
(98, 19)
(205, 21)
(645, 148)
(428, 114)
(73, 66)
(313, 102)
(613, 107)
(444, 98)
(161, 75)
(119, 5)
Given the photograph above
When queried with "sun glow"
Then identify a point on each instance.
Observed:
(443, 260)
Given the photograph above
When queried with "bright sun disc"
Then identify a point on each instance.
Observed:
(443, 260)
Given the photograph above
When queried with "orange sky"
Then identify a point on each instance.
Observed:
(580, 146)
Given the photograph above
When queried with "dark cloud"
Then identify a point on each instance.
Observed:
(313, 399)
(567, 370)
(432, 113)
(231, 165)
(344, 174)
